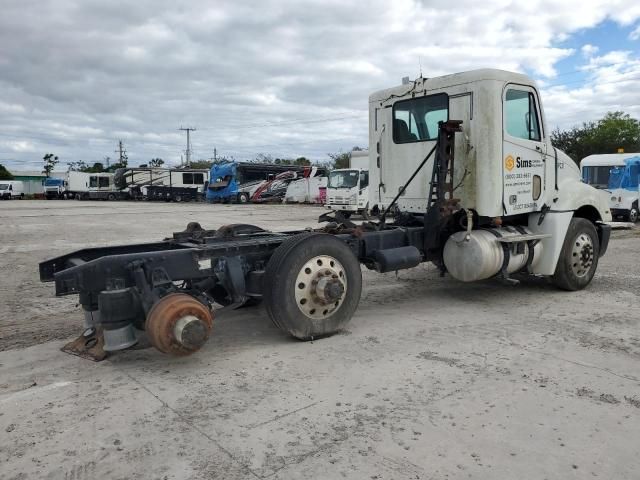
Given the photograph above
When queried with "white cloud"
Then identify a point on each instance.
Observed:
(612, 84)
(589, 50)
(255, 77)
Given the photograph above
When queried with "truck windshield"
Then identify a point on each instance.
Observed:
(343, 179)
(4, 186)
(52, 182)
(597, 175)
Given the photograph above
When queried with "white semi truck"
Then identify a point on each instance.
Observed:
(348, 188)
(618, 175)
(465, 176)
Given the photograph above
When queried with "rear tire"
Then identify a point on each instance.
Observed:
(312, 285)
(111, 197)
(579, 256)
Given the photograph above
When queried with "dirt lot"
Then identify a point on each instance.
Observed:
(432, 379)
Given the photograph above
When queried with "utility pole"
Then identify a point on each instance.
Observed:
(122, 153)
(188, 151)
(215, 154)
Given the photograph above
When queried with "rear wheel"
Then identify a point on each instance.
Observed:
(111, 197)
(312, 285)
(579, 256)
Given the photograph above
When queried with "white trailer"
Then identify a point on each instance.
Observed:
(10, 189)
(618, 174)
(348, 188)
(92, 186)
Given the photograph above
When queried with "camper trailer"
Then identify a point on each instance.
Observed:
(92, 186)
(166, 184)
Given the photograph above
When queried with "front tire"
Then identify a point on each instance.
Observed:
(579, 256)
(312, 285)
(633, 215)
(243, 197)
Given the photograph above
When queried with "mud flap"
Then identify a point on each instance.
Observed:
(89, 345)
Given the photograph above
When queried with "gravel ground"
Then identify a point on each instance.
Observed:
(431, 379)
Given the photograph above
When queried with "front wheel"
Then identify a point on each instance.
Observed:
(312, 285)
(633, 215)
(579, 256)
(243, 197)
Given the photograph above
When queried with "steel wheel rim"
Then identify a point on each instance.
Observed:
(633, 215)
(582, 255)
(321, 287)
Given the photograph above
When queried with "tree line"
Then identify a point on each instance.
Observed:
(616, 130)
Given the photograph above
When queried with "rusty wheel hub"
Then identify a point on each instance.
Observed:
(178, 324)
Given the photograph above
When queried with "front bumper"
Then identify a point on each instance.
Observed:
(343, 207)
(619, 212)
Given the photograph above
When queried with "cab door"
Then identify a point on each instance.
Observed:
(524, 151)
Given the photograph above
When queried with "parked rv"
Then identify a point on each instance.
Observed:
(163, 183)
(348, 188)
(10, 189)
(619, 175)
(240, 181)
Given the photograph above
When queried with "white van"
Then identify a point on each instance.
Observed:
(10, 189)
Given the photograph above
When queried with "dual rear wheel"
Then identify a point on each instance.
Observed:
(312, 287)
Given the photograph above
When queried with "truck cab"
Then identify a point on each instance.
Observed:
(618, 175)
(503, 166)
(348, 188)
(55, 188)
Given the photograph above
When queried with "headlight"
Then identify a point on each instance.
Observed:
(613, 199)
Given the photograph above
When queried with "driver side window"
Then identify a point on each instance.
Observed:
(521, 117)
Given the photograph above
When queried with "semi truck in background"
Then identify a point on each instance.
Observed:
(11, 189)
(618, 174)
(348, 188)
(55, 188)
(464, 175)
(168, 184)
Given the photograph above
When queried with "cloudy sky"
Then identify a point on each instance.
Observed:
(286, 78)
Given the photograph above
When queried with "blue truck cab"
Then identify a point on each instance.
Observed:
(224, 183)
(55, 188)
